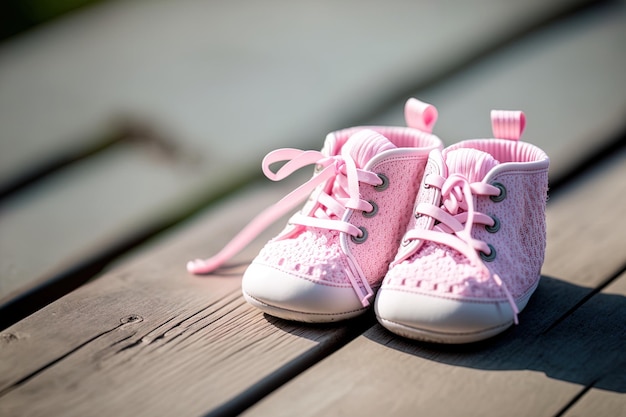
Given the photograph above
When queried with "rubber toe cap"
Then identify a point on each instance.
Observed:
(439, 319)
(293, 297)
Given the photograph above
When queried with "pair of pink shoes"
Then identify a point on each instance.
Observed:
(448, 242)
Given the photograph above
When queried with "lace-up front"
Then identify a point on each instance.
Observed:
(344, 178)
(339, 172)
(455, 219)
(329, 205)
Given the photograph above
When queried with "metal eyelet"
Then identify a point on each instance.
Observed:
(372, 212)
(417, 215)
(491, 256)
(495, 227)
(385, 183)
(502, 195)
(362, 238)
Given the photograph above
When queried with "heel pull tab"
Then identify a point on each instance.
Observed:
(507, 124)
(420, 115)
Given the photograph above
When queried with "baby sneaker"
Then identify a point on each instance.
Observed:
(472, 254)
(330, 259)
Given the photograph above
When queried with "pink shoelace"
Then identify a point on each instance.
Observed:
(341, 174)
(455, 218)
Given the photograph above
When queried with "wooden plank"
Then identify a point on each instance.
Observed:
(560, 76)
(536, 368)
(206, 72)
(196, 339)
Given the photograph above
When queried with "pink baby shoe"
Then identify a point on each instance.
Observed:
(330, 259)
(472, 254)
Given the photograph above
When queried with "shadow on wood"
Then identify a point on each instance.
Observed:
(585, 346)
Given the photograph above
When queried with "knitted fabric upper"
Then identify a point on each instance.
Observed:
(519, 243)
(321, 255)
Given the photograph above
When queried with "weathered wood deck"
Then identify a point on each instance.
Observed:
(103, 164)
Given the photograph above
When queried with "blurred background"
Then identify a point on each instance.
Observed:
(122, 118)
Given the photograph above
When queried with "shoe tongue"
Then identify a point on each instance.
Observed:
(471, 163)
(364, 145)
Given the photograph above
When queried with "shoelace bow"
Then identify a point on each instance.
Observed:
(455, 220)
(331, 203)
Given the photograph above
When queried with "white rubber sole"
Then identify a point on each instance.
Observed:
(436, 319)
(292, 297)
(439, 337)
(300, 316)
